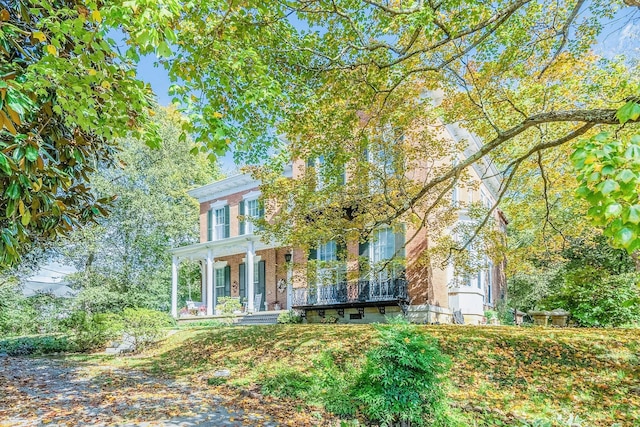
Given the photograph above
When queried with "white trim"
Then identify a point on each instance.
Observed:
(252, 195)
(218, 204)
(220, 264)
(256, 258)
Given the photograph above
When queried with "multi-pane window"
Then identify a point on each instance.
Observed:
(220, 285)
(219, 224)
(330, 270)
(253, 210)
(384, 245)
(328, 251)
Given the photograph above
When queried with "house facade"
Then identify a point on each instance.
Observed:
(356, 282)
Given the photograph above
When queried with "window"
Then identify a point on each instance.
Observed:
(331, 270)
(485, 200)
(253, 211)
(328, 251)
(384, 245)
(219, 224)
(220, 282)
(490, 283)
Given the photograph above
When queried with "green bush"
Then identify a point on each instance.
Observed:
(36, 345)
(594, 299)
(228, 305)
(90, 332)
(289, 317)
(403, 378)
(145, 326)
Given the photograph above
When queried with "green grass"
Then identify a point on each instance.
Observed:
(499, 375)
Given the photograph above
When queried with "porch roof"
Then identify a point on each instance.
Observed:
(230, 246)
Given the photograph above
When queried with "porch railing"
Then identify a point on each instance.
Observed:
(351, 292)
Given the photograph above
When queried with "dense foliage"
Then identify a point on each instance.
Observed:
(64, 98)
(598, 284)
(403, 378)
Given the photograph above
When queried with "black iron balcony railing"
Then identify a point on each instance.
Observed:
(363, 291)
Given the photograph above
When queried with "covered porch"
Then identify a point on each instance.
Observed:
(257, 273)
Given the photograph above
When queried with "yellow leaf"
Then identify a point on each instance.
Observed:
(51, 49)
(105, 84)
(21, 207)
(217, 115)
(26, 218)
(39, 35)
(95, 15)
(92, 72)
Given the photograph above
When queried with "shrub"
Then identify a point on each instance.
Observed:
(402, 378)
(42, 344)
(228, 305)
(92, 331)
(144, 326)
(289, 317)
(594, 300)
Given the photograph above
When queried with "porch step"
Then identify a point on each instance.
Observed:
(259, 319)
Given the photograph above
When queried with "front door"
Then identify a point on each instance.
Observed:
(259, 284)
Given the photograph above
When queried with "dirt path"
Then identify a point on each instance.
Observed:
(40, 391)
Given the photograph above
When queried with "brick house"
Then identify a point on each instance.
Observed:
(330, 280)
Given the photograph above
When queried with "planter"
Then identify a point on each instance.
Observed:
(540, 318)
(559, 317)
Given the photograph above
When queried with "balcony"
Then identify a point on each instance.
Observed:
(355, 294)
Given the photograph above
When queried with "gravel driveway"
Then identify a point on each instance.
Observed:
(41, 391)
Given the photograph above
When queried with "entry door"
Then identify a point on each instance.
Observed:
(259, 282)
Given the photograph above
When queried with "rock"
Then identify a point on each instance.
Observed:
(222, 373)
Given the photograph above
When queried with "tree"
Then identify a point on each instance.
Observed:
(386, 76)
(123, 260)
(65, 95)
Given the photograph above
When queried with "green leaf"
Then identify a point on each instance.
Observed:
(625, 237)
(4, 164)
(629, 111)
(608, 170)
(632, 215)
(31, 153)
(632, 153)
(626, 176)
(608, 186)
(613, 210)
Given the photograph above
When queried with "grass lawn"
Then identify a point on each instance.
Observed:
(498, 376)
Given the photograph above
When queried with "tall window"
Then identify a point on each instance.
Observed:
(384, 245)
(490, 283)
(219, 224)
(220, 283)
(331, 270)
(253, 211)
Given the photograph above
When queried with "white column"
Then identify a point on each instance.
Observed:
(210, 288)
(203, 282)
(289, 285)
(250, 274)
(174, 286)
